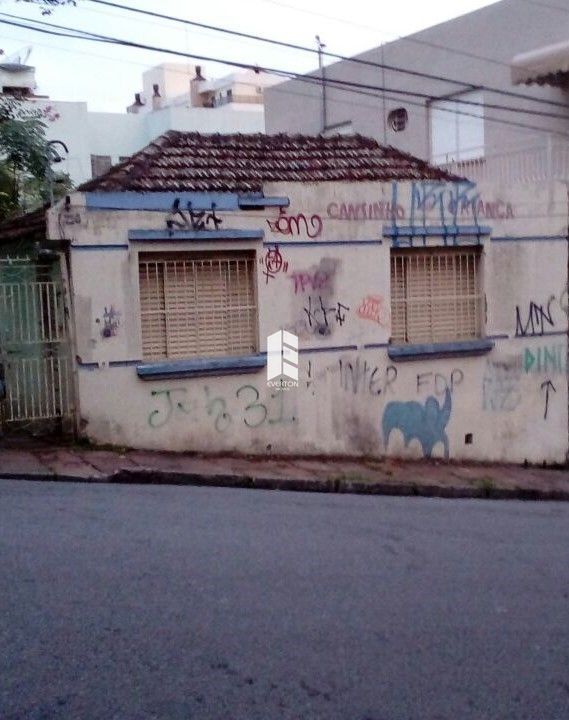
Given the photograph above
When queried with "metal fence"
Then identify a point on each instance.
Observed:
(34, 347)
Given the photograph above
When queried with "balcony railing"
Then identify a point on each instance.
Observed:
(521, 164)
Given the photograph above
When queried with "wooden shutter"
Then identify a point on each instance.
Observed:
(435, 295)
(209, 305)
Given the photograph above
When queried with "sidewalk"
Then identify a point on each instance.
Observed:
(35, 460)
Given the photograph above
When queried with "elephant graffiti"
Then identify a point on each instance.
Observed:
(425, 423)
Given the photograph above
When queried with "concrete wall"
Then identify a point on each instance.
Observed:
(512, 401)
(476, 48)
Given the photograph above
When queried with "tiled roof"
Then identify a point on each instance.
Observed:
(180, 161)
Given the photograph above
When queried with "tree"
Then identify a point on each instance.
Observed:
(25, 158)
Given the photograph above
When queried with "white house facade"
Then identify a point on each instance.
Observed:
(429, 314)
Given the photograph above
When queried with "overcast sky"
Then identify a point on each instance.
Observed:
(106, 76)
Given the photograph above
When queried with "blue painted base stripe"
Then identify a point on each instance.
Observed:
(370, 346)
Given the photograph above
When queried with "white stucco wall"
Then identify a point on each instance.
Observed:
(512, 401)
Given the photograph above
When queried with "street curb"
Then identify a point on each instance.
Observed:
(148, 476)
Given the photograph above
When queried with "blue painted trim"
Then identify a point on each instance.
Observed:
(370, 346)
(547, 333)
(440, 350)
(531, 238)
(99, 247)
(112, 363)
(337, 348)
(175, 235)
(129, 200)
(435, 230)
(498, 337)
(319, 243)
(259, 202)
(199, 367)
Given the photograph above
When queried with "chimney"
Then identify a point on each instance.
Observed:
(156, 97)
(136, 106)
(196, 100)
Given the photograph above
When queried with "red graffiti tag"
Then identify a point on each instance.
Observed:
(373, 308)
(274, 263)
(304, 281)
(293, 224)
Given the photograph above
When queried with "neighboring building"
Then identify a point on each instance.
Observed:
(431, 314)
(511, 41)
(175, 96)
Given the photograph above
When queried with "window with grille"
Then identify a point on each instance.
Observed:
(436, 295)
(197, 305)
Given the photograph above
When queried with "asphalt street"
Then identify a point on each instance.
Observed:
(179, 603)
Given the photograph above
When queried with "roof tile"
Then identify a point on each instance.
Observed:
(178, 161)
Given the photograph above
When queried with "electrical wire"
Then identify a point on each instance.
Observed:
(396, 36)
(359, 61)
(330, 82)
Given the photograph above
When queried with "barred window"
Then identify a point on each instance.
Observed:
(198, 304)
(436, 295)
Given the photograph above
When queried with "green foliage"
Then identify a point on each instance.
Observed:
(24, 159)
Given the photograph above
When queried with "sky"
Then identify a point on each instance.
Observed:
(107, 77)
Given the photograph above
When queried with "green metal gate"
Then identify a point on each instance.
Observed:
(34, 346)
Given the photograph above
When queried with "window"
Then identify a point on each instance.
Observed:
(398, 119)
(457, 129)
(198, 304)
(100, 164)
(436, 295)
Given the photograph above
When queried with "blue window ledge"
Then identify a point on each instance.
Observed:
(198, 367)
(440, 350)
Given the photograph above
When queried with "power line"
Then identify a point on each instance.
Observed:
(86, 34)
(280, 89)
(337, 84)
(405, 38)
(359, 61)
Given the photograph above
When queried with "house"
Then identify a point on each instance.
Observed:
(484, 94)
(310, 295)
(174, 96)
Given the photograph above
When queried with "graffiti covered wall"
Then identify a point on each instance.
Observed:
(323, 273)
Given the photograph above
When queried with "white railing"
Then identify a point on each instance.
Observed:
(521, 164)
(38, 388)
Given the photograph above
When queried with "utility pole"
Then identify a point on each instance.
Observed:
(320, 45)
